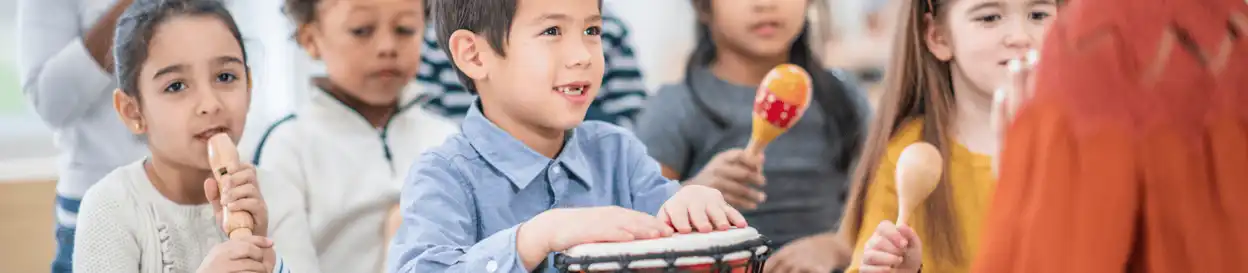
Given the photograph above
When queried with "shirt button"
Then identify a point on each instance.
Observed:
(491, 266)
(554, 170)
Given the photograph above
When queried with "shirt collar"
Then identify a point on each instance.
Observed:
(513, 158)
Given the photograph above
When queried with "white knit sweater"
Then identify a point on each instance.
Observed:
(126, 225)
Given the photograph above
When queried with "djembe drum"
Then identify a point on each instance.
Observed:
(740, 250)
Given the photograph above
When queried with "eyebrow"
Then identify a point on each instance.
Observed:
(223, 60)
(1041, 3)
(984, 5)
(169, 70)
(564, 17)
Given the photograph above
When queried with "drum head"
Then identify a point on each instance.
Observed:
(679, 250)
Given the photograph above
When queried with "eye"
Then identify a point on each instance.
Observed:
(989, 18)
(362, 31)
(593, 31)
(405, 31)
(226, 77)
(1039, 15)
(175, 87)
(552, 31)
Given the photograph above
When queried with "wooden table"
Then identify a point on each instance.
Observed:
(26, 233)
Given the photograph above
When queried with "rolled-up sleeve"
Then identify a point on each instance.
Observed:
(59, 76)
(650, 189)
(440, 227)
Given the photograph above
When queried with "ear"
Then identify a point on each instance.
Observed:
(471, 53)
(937, 39)
(128, 110)
(306, 40)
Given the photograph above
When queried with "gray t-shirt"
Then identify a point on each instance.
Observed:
(804, 188)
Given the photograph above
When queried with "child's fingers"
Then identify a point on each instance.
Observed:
(698, 217)
(735, 217)
(880, 258)
(887, 230)
(678, 215)
(250, 205)
(719, 217)
(911, 236)
(244, 249)
(740, 202)
(258, 241)
(878, 243)
(874, 269)
(248, 191)
(211, 191)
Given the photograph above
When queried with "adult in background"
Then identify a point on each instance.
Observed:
(66, 72)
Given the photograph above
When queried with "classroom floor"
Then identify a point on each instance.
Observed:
(26, 242)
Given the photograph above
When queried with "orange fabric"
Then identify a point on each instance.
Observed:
(1133, 154)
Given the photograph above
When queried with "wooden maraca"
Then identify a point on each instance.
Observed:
(779, 103)
(221, 154)
(919, 170)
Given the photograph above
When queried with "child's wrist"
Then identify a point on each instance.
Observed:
(533, 240)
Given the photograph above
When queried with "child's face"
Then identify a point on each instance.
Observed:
(757, 28)
(371, 48)
(553, 67)
(986, 34)
(193, 85)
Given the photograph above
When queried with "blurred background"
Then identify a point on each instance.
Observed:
(851, 33)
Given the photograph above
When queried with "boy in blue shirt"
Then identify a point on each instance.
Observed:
(527, 176)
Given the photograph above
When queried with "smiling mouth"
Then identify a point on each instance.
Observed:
(572, 89)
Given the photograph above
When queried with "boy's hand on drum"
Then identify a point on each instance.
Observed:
(737, 175)
(239, 255)
(699, 208)
(892, 249)
(560, 229)
(242, 193)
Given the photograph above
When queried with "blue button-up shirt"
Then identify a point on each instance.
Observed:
(462, 202)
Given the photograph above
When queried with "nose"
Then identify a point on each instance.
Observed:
(387, 45)
(762, 5)
(1019, 35)
(209, 103)
(578, 53)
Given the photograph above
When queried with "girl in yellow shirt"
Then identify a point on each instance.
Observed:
(944, 46)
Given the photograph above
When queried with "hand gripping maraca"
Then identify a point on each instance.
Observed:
(222, 153)
(919, 170)
(781, 100)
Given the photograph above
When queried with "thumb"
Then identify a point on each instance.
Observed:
(911, 236)
(212, 191)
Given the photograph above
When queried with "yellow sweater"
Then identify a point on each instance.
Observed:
(973, 183)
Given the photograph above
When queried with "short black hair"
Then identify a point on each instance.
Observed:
(489, 18)
(304, 11)
(138, 23)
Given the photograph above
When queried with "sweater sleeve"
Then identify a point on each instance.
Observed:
(106, 238)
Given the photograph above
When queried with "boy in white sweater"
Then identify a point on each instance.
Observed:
(183, 78)
(349, 148)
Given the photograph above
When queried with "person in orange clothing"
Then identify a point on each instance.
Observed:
(1132, 153)
(949, 57)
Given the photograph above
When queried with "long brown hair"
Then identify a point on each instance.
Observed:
(917, 84)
